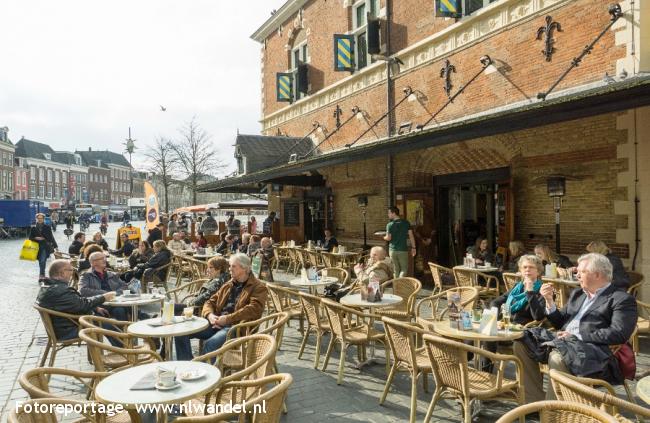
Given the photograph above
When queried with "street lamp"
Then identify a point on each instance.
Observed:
(556, 188)
(130, 148)
(362, 202)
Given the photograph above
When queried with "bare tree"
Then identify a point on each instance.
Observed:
(162, 163)
(196, 155)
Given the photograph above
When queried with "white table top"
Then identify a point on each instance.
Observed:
(324, 281)
(643, 389)
(480, 268)
(143, 328)
(122, 301)
(347, 253)
(206, 255)
(114, 389)
(443, 328)
(355, 300)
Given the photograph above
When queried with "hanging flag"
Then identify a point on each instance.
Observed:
(343, 52)
(449, 8)
(284, 84)
(151, 205)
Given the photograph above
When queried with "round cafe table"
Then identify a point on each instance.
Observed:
(135, 302)
(206, 256)
(643, 389)
(151, 328)
(480, 268)
(115, 388)
(354, 300)
(313, 285)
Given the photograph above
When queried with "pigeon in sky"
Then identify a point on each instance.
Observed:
(163, 109)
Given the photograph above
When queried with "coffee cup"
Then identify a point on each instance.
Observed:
(166, 378)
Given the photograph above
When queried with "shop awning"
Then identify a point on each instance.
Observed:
(630, 93)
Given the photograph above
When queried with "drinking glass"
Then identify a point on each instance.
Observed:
(150, 288)
(505, 315)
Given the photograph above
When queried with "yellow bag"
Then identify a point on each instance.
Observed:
(29, 251)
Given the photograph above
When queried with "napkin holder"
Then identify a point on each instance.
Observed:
(488, 324)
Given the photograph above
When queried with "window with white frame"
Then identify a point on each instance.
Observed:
(49, 175)
(41, 191)
(32, 173)
(299, 54)
(11, 181)
(360, 11)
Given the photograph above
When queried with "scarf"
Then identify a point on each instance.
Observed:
(517, 297)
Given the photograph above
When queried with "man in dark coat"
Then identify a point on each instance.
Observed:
(55, 294)
(155, 234)
(77, 243)
(42, 234)
(597, 314)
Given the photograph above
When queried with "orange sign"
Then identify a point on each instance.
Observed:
(151, 206)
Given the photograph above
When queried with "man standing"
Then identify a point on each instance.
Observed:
(209, 225)
(398, 232)
(267, 225)
(55, 294)
(596, 316)
(42, 234)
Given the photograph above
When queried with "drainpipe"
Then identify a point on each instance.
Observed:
(390, 198)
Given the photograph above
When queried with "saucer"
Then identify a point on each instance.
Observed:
(191, 375)
(167, 388)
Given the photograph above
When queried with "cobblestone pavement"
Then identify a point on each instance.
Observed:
(313, 397)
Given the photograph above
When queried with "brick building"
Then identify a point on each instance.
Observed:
(7, 171)
(461, 122)
(117, 173)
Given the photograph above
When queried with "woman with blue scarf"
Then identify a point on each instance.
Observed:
(524, 300)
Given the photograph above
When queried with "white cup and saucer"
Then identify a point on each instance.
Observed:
(166, 380)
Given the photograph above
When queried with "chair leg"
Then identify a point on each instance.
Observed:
(414, 396)
(467, 410)
(319, 337)
(330, 347)
(302, 345)
(344, 349)
(425, 382)
(47, 351)
(52, 356)
(389, 381)
(630, 397)
(432, 405)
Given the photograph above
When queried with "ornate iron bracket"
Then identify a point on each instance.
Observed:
(337, 115)
(547, 30)
(615, 13)
(355, 110)
(485, 62)
(445, 73)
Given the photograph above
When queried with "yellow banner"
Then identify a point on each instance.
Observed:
(151, 206)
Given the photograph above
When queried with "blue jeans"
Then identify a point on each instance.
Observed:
(42, 258)
(214, 339)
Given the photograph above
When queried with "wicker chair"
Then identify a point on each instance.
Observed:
(408, 289)
(294, 261)
(470, 277)
(54, 344)
(338, 272)
(182, 293)
(314, 258)
(437, 304)
(636, 281)
(255, 393)
(510, 280)
(558, 412)
(106, 356)
(562, 290)
(438, 273)
(36, 382)
(642, 325)
(453, 375)
(281, 256)
(286, 300)
(49, 404)
(582, 390)
(329, 259)
(258, 353)
(359, 334)
(402, 339)
(182, 267)
(311, 306)
(152, 275)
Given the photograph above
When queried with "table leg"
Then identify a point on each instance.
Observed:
(168, 347)
(372, 359)
(134, 313)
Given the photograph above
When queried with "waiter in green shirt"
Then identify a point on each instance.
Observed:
(398, 231)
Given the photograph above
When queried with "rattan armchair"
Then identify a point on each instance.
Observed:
(402, 339)
(48, 412)
(36, 382)
(282, 258)
(454, 377)
(316, 323)
(434, 307)
(129, 341)
(314, 258)
(558, 412)
(582, 390)
(54, 344)
(106, 356)
(345, 333)
(153, 275)
(408, 289)
(510, 280)
(438, 274)
(636, 282)
(286, 300)
(338, 272)
(257, 398)
(642, 325)
(330, 260)
(471, 277)
(186, 291)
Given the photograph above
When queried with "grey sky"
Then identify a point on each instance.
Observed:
(78, 73)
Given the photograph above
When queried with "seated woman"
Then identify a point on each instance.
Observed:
(85, 263)
(225, 245)
(86, 245)
(218, 273)
(516, 249)
(620, 278)
(99, 240)
(161, 257)
(141, 255)
(127, 247)
(202, 241)
(524, 300)
(480, 251)
(549, 256)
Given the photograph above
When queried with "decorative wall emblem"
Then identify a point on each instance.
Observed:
(445, 73)
(547, 31)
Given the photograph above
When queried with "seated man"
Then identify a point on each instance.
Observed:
(240, 299)
(55, 294)
(176, 244)
(100, 280)
(329, 242)
(378, 267)
(77, 243)
(596, 316)
(127, 246)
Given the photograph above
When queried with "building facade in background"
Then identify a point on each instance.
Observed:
(7, 170)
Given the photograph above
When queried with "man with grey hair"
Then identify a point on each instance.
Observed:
(595, 316)
(55, 294)
(99, 280)
(240, 299)
(378, 267)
